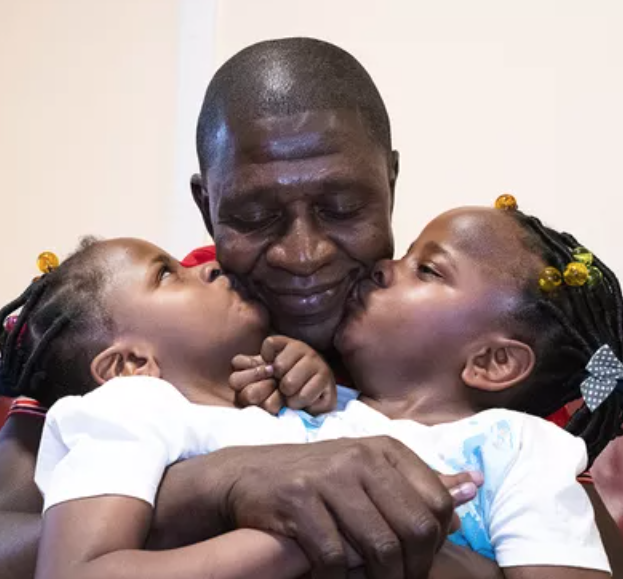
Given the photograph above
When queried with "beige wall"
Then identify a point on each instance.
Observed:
(485, 97)
(87, 125)
(98, 101)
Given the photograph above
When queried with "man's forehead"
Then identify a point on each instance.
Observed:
(296, 136)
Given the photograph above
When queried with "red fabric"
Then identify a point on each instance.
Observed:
(199, 256)
(560, 417)
(5, 404)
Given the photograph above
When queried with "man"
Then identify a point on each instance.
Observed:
(297, 188)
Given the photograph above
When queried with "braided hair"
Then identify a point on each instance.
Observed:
(61, 326)
(567, 327)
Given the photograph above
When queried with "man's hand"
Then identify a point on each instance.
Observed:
(287, 372)
(373, 493)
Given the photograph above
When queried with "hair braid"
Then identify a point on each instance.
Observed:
(60, 325)
(569, 325)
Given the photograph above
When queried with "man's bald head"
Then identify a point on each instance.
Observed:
(284, 77)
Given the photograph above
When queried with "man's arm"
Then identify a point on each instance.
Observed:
(375, 492)
(610, 534)
(20, 501)
(550, 572)
(209, 495)
(195, 501)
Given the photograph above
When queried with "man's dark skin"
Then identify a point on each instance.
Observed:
(312, 197)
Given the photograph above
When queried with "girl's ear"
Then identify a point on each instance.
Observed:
(502, 363)
(123, 359)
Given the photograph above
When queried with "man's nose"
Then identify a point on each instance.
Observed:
(303, 249)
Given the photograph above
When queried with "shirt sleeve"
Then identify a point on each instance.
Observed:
(116, 440)
(540, 514)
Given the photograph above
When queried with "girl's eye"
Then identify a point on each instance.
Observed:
(165, 271)
(214, 274)
(427, 270)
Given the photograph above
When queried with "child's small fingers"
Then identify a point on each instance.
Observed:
(326, 402)
(244, 378)
(315, 395)
(256, 394)
(273, 345)
(285, 359)
(243, 362)
(299, 374)
(274, 403)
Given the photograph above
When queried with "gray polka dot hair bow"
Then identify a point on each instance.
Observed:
(606, 373)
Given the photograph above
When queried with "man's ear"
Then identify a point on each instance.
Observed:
(394, 168)
(500, 364)
(200, 195)
(124, 360)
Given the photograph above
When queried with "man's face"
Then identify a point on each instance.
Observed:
(300, 206)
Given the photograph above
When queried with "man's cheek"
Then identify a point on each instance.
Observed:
(368, 244)
(237, 254)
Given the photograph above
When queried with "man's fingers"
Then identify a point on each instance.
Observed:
(428, 486)
(410, 518)
(463, 486)
(242, 379)
(321, 541)
(256, 394)
(370, 535)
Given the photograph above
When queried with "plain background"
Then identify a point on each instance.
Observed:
(98, 102)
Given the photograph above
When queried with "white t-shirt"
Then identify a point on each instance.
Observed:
(120, 438)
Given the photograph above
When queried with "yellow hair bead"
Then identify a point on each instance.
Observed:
(550, 279)
(506, 202)
(583, 255)
(595, 277)
(576, 274)
(47, 261)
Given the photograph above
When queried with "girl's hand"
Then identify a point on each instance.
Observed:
(287, 372)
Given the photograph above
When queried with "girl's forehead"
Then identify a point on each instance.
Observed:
(488, 238)
(481, 232)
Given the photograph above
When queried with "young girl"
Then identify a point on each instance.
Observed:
(463, 326)
(125, 309)
(489, 309)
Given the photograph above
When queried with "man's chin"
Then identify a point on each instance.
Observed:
(318, 335)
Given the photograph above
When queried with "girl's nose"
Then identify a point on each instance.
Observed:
(381, 273)
(211, 271)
